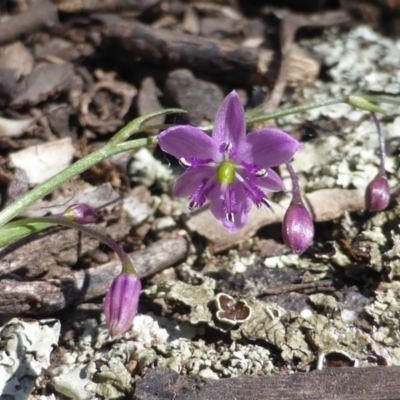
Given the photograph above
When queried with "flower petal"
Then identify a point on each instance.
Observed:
(191, 179)
(270, 147)
(121, 303)
(188, 142)
(241, 205)
(230, 125)
(271, 181)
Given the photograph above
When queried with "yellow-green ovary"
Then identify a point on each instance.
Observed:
(226, 173)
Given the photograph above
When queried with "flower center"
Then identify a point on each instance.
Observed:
(226, 173)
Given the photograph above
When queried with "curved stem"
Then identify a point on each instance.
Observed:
(127, 265)
(295, 185)
(72, 171)
(382, 150)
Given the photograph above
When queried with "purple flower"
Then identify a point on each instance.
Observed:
(230, 168)
(121, 303)
(80, 213)
(297, 228)
(377, 194)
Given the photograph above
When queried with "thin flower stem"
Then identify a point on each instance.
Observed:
(298, 109)
(135, 126)
(72, 171)
(127, 265)
(308, 106)
(287, 111)
(382, 150)
(380, 99)
(295, 185)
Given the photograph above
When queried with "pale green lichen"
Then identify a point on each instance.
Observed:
(25, 348)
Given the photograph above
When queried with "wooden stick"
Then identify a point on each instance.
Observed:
(375, 383)
(46, 297)
(132, 41)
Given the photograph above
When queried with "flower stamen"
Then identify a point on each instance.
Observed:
(184, 163)
(228, 147)
(261, 173)
(265, 202)
(256, 194)
(230, 217)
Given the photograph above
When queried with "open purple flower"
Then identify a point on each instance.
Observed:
(230, 168)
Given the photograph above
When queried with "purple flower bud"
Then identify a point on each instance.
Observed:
(80, 213)
(297, 228)
(377, 195)
(121, 303)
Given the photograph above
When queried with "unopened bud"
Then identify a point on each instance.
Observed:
(80, 213)
(121, 303)
(297, 228)
(377, 194)
(364, 104)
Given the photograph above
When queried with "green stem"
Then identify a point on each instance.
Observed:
(72, 171)
(298, 109)
(380, 99)
(135, 126)
(287, 111)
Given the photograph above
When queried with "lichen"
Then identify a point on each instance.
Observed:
(25, 348)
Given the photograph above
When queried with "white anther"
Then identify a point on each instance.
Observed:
(184, 163)
(265, 202)
(230, 217)
(228, 147)
(261, 172)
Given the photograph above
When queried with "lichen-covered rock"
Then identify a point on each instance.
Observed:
(25, 348)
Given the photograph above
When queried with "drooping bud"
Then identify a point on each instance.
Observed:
(121, 303)
(377, 194)
(297, 228)
(80, 213)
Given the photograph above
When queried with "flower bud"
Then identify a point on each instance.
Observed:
(377, 194)
(80, 213)
(363, 104)
(121, 303)
(297, 228)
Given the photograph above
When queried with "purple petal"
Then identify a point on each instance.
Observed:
(241, 206)
(269, 147)
(297, 228)
(80, 213)
(188, 142)
(377, 194)
(230, 126)
(191, 179)
(121, 303)
(271, 181)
